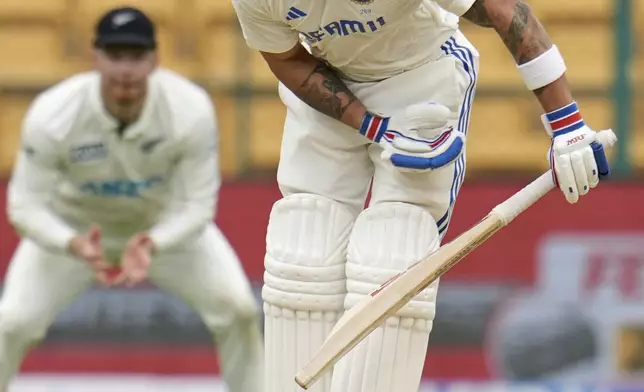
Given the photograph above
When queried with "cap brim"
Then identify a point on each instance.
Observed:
(125, 39)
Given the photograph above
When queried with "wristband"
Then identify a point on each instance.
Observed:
(543, 70)
(563, 120)
(373, 126)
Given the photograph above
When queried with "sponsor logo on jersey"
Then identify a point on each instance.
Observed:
(294, 13)
(363, 2)
(345, 28)
(120, 187)
(149, 146)
(94, 151)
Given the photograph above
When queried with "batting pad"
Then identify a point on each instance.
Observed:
(304, 284)
(386, 239)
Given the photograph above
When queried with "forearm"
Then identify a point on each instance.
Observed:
(320, 87)
(27, 209)
(37, 223)
(526, 39)
(179, 226)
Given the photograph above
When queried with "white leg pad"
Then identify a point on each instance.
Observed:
(304, 284)
(385, 240)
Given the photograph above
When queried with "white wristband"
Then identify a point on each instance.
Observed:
(544, 69)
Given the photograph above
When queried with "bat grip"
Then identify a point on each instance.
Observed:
(520, 201)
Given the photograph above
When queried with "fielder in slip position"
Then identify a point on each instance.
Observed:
(120, 165)
(378, 93)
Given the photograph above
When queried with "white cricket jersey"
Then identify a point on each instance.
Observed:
(74, 168)
(366, 40)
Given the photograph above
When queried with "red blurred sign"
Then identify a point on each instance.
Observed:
(507, 258)
(627, 276)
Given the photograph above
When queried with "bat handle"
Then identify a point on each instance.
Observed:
(520, 201)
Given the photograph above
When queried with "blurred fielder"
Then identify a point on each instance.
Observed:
(379, 92)
(120, 165)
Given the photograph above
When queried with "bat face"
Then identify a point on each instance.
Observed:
(367, 315)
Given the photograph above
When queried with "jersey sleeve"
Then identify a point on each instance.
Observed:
(262, 30)
(33, 179)
(457, 7)
(195, 185)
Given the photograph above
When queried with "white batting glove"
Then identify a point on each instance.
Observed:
(402, 143)
(577, 160)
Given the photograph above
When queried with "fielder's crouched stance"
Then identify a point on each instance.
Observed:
(121, 165)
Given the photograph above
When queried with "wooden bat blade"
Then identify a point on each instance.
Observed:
(367, 315)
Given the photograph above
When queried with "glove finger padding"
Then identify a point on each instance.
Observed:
(579, 169)
(591, 167)
(566, 177)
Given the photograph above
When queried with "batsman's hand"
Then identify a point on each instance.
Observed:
(418, 139)
(135, 261)
(577, 159)
(88, 247)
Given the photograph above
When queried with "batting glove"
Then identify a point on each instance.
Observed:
(578, 161)
(402, 143)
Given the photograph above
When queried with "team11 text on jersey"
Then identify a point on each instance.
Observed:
(345, 28)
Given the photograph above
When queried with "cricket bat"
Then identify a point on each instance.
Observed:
(371, 312)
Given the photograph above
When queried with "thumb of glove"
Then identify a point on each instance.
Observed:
(428, 115)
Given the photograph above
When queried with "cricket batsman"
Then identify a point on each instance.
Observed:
(119, 166)
(379, 94)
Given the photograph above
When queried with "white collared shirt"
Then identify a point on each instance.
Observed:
(366, 40)
(74, 168)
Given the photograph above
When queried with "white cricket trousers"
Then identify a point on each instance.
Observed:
(206, 275)
(324, 157)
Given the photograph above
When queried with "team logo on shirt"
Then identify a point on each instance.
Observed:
(294, 13)
(149, 146)
(88, 152)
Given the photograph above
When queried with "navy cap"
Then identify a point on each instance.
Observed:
(125, 26)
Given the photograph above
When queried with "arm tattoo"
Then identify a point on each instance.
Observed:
(478, 15)
(520, 30)
(324, 91)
